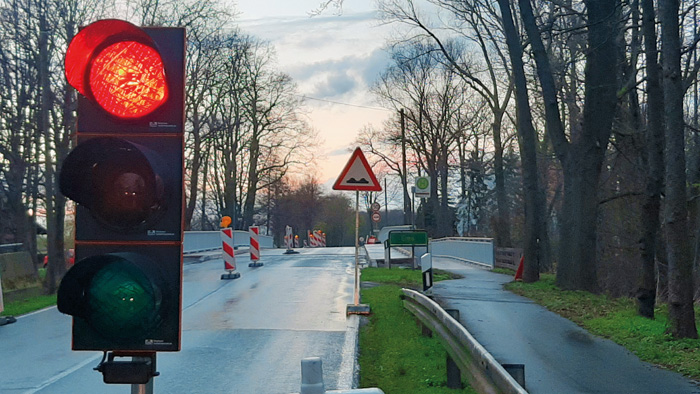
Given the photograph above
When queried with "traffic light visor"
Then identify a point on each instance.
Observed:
(117, 65)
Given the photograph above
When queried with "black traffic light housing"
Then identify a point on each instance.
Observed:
(126, 176)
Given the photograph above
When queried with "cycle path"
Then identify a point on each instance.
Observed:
(559, 356)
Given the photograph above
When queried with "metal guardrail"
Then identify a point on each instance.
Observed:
(485, 374)
(11, 248)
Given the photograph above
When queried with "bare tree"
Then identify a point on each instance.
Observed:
(582, 157)
(477, 22)
(680, 285)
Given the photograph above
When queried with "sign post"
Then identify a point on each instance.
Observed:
(358, 176)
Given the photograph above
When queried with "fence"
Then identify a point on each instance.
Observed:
(473, 250)
(508, 257)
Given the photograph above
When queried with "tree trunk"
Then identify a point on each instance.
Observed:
(194, 170)
(646, 292)
(528, 148)
(680, 269)
(503, 237)
(249, 204)
(577, 255)
(582, 159)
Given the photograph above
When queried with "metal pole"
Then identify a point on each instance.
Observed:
(404, 181)
(386, 206)
(143, 388)
(357, 247)
(413, 208)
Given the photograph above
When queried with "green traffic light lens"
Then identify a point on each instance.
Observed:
(123, 301)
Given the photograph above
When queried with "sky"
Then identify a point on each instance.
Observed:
(333, 58)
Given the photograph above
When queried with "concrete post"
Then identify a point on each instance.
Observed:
(312, 376)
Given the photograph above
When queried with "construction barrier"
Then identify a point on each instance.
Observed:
(254, 247)
(320, 239)
(288, 238)
(312, 239)
(228, 254)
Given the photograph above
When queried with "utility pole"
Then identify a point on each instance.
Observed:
(407, 207)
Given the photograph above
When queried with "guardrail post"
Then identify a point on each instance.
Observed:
(454, 376)
(517, 371)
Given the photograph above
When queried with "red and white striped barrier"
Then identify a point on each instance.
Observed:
(313, 243)
(320, 238)
(289, 241)
(288, 238)
(228, 254)
(254, 247)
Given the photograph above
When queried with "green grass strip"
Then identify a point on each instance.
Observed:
(30, 304)
(402, 277)
(394, 356)
(617, 319)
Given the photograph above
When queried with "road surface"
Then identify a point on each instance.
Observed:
(239, 336)
(559, 356)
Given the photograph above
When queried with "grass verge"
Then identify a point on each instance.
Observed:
(402, 277)
(31, 300)
(394, 356)
(616, 319)
(29, 304)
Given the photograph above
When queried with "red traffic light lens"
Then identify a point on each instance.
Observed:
(116, 64)
(127, 79)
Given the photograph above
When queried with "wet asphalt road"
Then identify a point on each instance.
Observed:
(559, 356)
(239, 336)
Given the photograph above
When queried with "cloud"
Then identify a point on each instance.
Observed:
(333, 78)
(345, 151)
(335, 84)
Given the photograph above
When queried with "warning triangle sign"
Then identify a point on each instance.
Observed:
(357, 175)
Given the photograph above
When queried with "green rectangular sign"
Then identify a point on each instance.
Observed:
(408, 238)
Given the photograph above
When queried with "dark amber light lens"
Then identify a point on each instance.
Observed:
(127, 79)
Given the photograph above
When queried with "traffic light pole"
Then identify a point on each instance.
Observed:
(146, 388)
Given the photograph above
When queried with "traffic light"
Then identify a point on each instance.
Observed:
(126, 176)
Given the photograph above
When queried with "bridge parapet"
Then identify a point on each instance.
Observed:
(478, 251)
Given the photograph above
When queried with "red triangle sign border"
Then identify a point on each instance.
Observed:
(342, 184)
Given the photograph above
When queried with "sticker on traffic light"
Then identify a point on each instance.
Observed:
(126, 176)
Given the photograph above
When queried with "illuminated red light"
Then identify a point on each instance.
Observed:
(115, 64)
(127, 79)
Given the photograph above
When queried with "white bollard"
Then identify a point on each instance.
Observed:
(312, 376)
(312, 380)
